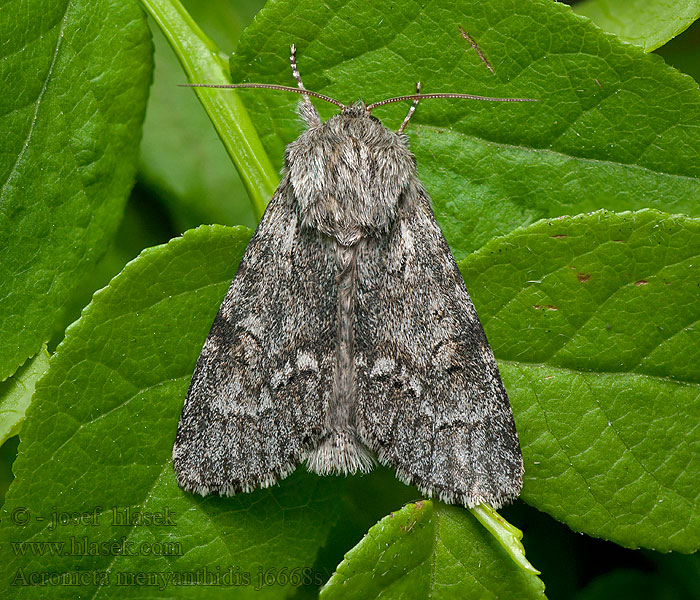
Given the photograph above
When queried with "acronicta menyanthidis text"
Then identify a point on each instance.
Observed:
(348, 334)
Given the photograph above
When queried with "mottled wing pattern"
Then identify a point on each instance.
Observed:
(257, 401)
(430, 400)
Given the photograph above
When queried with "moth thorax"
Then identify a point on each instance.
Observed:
(348, 175)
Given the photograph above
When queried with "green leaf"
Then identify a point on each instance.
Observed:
(594, 322)
(140, 227)
(603, 135)
(16, 394)
(645, 23)
(100, 434)
(430, 550)
(76, 77)
(181, 154)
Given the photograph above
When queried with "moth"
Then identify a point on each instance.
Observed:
(347, 335)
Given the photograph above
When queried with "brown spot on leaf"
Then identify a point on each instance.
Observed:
(559, 235)
(409, 527)
(583, 277)
(641, 282)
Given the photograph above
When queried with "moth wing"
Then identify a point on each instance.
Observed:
(258, 396)
(430, 399)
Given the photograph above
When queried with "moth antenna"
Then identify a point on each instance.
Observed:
(430, 96)
(267, 86)
(474, 45)
(295, 70)
(307, 110)
(411, 110)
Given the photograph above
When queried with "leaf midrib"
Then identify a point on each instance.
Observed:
(38, 102)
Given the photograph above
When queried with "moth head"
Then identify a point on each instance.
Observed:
(356, 109)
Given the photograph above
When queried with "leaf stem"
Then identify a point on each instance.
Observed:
(507, 535)
(203, 62)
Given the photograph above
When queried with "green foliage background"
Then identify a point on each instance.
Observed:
(574, 221)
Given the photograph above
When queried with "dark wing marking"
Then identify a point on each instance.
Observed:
(430, 400)
(240, 429)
